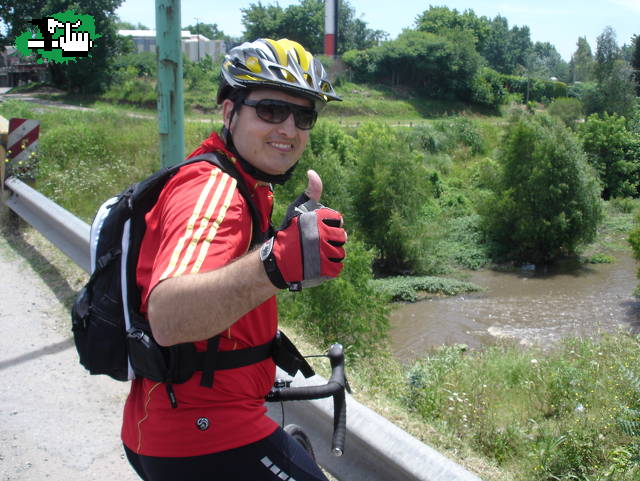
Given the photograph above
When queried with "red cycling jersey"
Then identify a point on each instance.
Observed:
(201, 223)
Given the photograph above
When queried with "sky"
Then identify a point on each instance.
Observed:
(559, 22)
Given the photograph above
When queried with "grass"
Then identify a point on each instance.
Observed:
(406, 289)
(542, 417)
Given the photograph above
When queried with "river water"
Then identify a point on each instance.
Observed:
(526, 306)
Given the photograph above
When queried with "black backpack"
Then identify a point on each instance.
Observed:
(111, 335)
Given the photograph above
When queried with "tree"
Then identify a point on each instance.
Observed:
(615, 90)
(544, 62)
(304, 23)
(209, 30)
(87, 75)
(581, 65)
(607, 52)
(505, 49)
(635, 61)
(262, 21)
(442, 20)
(353, 33)
(390, 187)
(614, 152)
(547, 199)
(440, 66)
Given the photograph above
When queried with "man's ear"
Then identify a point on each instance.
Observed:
(227, 108)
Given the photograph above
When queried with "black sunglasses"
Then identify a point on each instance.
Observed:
(277, 111)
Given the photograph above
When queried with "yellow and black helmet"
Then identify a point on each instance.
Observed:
(282, 64)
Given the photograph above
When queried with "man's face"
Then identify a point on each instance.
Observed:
(272, 148)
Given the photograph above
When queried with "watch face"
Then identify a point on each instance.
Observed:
(265, 250)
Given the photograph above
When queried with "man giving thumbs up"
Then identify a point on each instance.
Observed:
(210, 266)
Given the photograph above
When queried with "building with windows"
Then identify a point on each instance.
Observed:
(195, 47)
(16, 69)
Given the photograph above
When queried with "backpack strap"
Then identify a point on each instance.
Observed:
(212, 359)
(224, 164)
(280, 349)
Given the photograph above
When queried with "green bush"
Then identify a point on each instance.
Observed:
(488, 88)
(534, 89)
(547, 201)
(132, 89)
(567, 109)
(440, 66)
(405, 289)
(614, 152)
(347, 309)
(390, 187)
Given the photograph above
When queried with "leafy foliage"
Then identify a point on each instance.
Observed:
(582, 61)
(390, 188)
(439, 66)
(614, 152)
(615, 90)
(503, 48)
(347, 309)
(547, 200)
(304, 23)
(406, 289)
(567, 109)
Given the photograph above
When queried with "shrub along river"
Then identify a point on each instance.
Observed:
(527, 306)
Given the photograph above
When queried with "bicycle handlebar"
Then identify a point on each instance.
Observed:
(335, 387)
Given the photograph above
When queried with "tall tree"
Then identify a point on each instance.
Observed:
(505, 49)
(262, 21)
(440, 20)
(607, 52)
(615, 90)
(635, 61)
(546, 201)
(582, 62)
(544, 61)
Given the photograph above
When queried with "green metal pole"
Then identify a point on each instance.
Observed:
(170, 98)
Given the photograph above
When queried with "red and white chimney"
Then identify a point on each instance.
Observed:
(330, 27)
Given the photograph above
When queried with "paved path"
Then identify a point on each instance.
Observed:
(56, 421)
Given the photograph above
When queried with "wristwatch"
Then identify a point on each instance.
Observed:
(270, 266)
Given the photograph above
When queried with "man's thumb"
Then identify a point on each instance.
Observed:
(314, 186)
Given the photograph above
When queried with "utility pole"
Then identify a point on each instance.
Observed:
(170, 96)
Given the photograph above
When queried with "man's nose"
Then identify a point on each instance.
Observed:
(288, 126)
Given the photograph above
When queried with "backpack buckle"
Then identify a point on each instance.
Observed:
(139, 335)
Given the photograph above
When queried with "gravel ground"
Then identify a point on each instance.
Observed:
(56, 421)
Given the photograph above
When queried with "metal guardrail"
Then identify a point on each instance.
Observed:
(58, 225)
(375, 450)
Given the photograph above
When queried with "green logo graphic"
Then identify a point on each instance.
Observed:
(62, 37)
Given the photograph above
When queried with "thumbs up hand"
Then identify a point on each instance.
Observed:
(308, 247)
(307, 201)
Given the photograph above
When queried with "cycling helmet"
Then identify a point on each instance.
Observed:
(282, 64)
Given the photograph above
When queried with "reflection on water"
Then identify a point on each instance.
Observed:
(526, 306)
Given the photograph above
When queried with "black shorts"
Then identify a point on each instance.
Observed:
(277, 457)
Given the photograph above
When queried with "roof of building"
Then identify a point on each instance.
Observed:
(149, 33)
